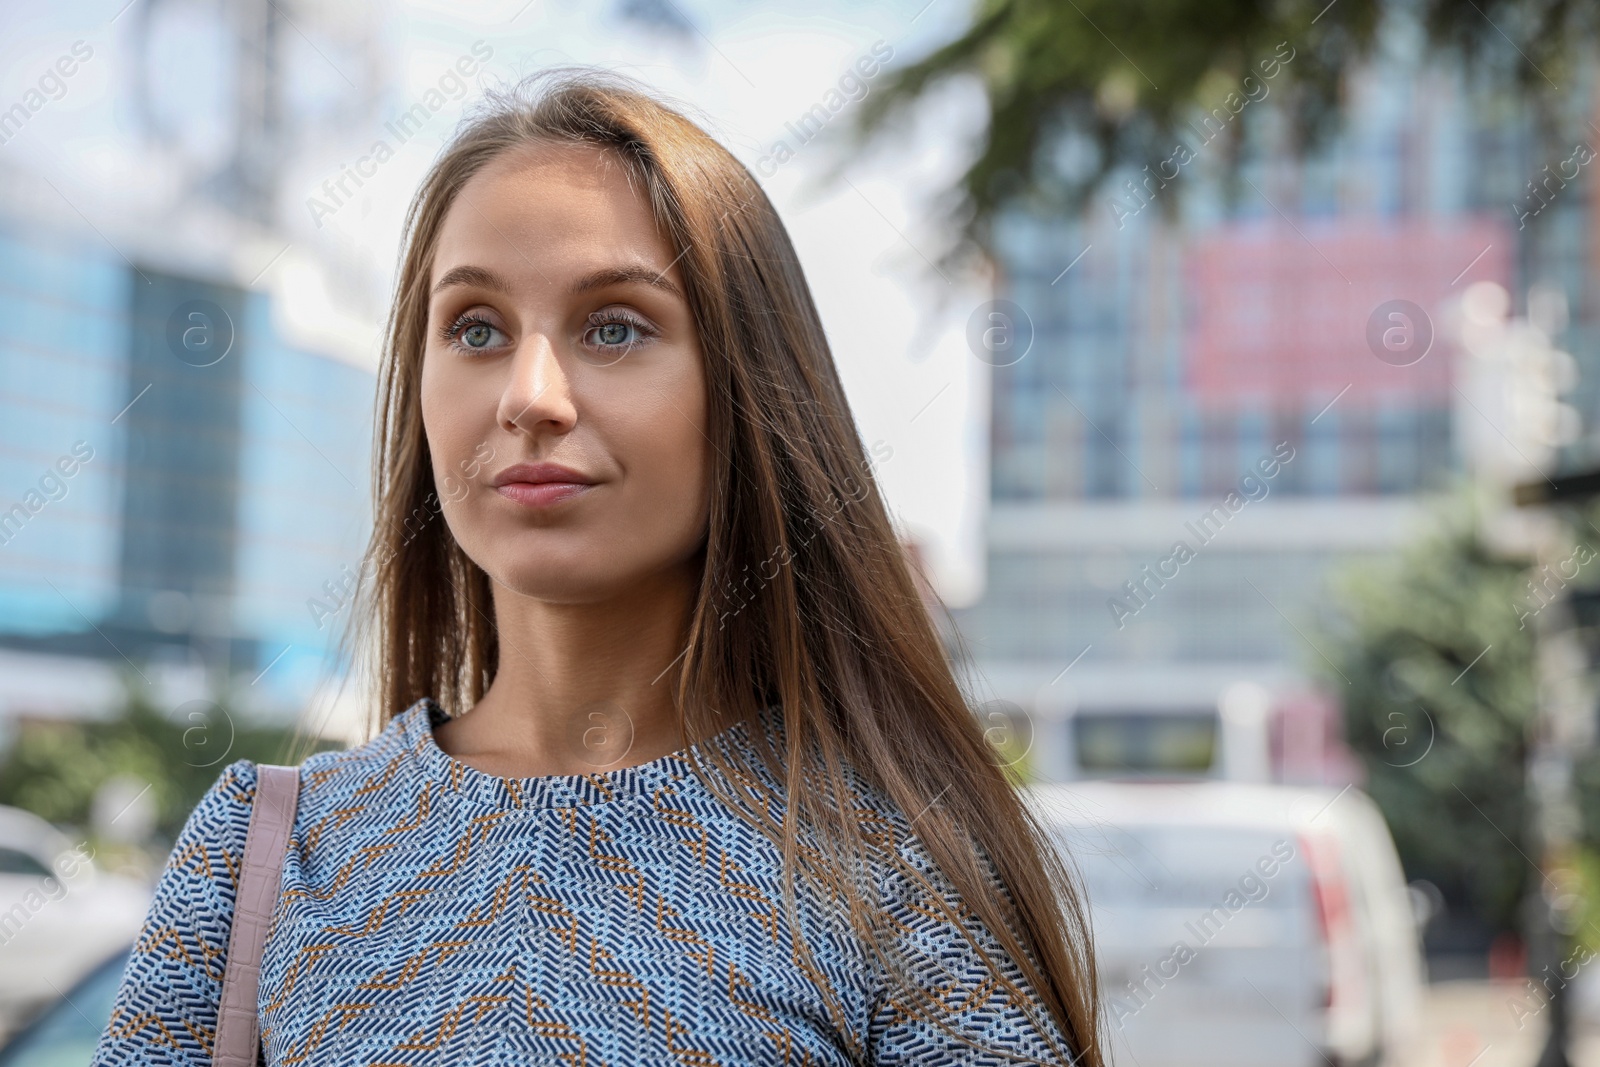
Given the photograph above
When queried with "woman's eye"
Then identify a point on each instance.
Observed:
(615, 332)
(474, 334)
(612, 334)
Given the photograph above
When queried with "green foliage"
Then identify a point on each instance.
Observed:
(54, 769)
(1440, 698)
(1124, 80)
(1586, 922)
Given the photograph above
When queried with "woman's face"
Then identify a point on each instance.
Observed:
(558, 333)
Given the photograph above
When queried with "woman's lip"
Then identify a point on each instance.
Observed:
(541, 494)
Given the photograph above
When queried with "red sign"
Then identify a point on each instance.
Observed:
(1298, 313)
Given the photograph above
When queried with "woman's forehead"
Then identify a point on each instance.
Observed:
(544, 210)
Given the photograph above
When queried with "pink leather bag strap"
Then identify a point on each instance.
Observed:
(260, 876)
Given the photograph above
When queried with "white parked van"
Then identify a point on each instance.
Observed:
(1242, 925)
(60, 915)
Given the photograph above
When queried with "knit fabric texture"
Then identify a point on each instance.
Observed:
(433, 913)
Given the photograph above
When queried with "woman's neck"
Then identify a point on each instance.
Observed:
(580, 688)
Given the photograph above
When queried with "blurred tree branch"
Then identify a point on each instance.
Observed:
(1076, 89)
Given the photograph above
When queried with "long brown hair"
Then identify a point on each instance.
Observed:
(807, 601)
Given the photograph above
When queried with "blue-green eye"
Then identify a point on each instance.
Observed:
(613, 333)
(616, 331)
(471, 333)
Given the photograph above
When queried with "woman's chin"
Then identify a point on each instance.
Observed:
(567, 583)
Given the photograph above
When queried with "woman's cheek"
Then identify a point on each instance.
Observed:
(452, 458)
(691, 473)
(652, 443)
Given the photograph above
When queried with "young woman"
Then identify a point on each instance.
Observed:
(672, 765)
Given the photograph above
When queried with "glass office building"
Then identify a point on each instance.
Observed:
(1197, 423)
(177, 483)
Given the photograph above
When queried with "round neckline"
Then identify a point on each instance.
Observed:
(415, 726)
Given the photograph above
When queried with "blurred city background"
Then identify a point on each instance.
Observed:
(1233, 370)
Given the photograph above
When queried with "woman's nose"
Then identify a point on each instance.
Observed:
(538, 392)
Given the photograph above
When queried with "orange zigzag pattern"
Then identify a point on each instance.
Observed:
(695, 1057)
(556, 1029)
(746, 891)
(615, 864)
(684, 819)
(614, 976)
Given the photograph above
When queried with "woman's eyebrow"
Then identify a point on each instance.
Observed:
(478, 277)
(633, 274)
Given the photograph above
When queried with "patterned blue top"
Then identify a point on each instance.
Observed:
(434, 913)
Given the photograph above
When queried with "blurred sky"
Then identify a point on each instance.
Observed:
(743, 70)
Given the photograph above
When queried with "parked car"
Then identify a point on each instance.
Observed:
(66, 1032)
(60, 915)
(1244, 925)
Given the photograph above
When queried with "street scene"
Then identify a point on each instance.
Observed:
(1230, 375)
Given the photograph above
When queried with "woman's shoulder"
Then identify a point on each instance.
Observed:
(938, 943)
(223, 812)
(345, 771)
(884, 825)
(325, 777)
